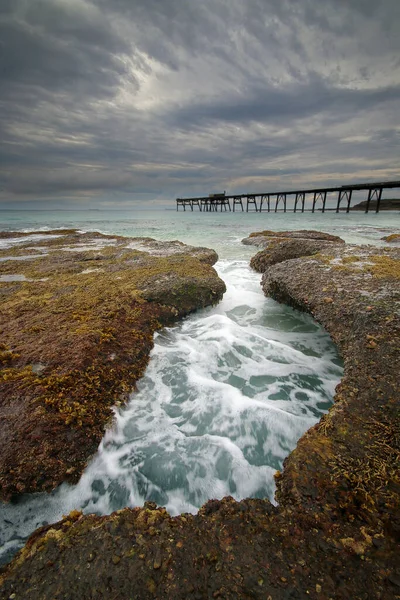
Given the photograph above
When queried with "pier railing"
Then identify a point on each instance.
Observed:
(274, 201)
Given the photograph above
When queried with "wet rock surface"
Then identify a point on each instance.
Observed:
(336, 531)
(284, 245)
(278, 250)
(394, 238)
(228, 550)
(269, 238)
(353, 453)
(78, 313)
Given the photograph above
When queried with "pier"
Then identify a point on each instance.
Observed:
(274, 201)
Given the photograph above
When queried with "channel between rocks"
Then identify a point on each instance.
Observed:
(335, 531)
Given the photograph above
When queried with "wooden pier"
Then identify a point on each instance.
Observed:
(274, 201)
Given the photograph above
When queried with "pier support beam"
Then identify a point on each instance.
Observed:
(224, 203)
(183, 203)
(237, 201)
(251, 200)
(344, 195)
(374, 194)
(205, 203)
(196, 202)
(319, 196)
(266, 199)
(280, 197)
(300, 197)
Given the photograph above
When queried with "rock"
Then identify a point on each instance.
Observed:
(76, 334)
(280, 250)
(338, 493)
(174, 248)
(266, 238)
(394, 238)
(345, 450)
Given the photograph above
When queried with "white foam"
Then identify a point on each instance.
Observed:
(19, 258)
(10, 242)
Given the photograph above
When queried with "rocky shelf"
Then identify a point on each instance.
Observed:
(336, 530)
(78, 314)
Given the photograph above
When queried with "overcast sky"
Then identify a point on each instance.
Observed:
(107, 101)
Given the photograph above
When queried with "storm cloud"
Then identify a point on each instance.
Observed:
(105, 102)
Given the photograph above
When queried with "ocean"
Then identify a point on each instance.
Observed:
(228, 391)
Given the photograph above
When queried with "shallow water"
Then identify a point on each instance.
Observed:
(227, 394)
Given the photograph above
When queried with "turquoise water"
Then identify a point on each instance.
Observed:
(219, 230)
(228, 392)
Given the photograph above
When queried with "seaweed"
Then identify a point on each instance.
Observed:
(76, 337)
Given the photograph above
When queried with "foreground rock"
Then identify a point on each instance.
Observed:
(284, 245)
(78, 313)
(336, 531)
(353, 452)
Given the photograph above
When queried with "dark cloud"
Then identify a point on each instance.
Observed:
(271, 104)
(50, 47)
(170, 98)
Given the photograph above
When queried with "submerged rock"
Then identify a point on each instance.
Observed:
(336, 530)
(77, 329)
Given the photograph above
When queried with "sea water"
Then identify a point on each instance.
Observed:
(228, 391)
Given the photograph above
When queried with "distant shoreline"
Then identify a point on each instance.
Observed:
(385, 204)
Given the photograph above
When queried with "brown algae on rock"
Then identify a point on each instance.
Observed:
(285, 245)
(267, 238)
(336, 530)
(393, 237)
(357, 475)
(90, 326)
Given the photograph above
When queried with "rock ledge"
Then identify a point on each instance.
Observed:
(78, 315)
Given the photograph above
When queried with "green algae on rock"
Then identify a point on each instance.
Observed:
(76, 335)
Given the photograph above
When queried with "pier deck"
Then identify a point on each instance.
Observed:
(274, 201)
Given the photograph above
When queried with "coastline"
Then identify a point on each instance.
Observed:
(329, 505)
